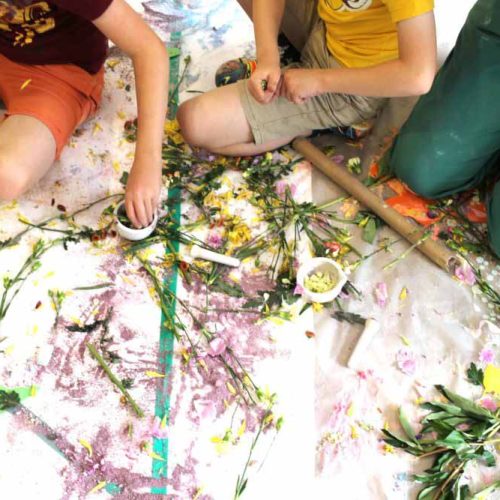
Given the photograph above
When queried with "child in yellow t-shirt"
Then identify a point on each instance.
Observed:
(354, 54)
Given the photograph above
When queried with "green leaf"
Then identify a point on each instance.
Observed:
(475, 375)
(425, 494)
(9, 399)
(398, 442)
(431, 478)
(454, 440)
(407, 427)
(467, 406)
(452, 409)
(370, 231)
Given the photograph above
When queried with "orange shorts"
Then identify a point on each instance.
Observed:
(62, 96)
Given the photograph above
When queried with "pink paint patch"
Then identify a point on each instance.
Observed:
(406, 362)
(381, 294)
(205, 409)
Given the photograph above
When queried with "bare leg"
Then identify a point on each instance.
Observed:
(216, 121)
(27, 151)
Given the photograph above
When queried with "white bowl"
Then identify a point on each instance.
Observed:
(324, 265)
(133, 234)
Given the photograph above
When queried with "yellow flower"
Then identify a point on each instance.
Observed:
(388, 448)
(317, 307)
(240, 234)
(212, 200)
(492, 379)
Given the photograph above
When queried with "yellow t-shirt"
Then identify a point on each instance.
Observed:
(361, 33)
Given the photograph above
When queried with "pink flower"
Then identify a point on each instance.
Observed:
(158, 431)
(489, 404)
(406, 362)
(381, 294)
(466, 274)
(281, 187)
(216, 347)
(299, 290)
(487, 356)
(338, 158)
(214, 240)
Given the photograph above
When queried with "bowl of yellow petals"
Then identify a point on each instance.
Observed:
(321, 279)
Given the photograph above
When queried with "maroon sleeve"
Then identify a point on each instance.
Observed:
(88, 9)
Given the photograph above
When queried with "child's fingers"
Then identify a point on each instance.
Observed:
(141, 213)
(272, 82)
(129, 206)
(256, 90)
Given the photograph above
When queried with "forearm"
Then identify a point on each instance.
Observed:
(390, 79)
(152, 81)
(267, 17)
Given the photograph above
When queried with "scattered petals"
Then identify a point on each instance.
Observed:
(489, 404)
(87, 446)
(159, 429)
(492, 379)
(381, 294)
(153, 374)
(217, 347)
(487, 356)
(406, 362)
(97, 487)
(466, 274)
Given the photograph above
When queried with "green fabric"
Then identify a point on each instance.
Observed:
(452, 139)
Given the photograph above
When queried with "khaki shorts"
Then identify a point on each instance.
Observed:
(282, 118)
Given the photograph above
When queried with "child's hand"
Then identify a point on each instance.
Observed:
(143, 192)
(301, 84)
(265, 82)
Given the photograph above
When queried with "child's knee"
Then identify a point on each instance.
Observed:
(192, 122)
(13, 181)
(417, 179)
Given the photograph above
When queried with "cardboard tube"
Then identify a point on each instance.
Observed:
(434, 250)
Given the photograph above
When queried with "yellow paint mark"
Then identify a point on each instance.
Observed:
(116, 166)
(153, 374)
(404, 294)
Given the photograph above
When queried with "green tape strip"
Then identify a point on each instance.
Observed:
(166, 355)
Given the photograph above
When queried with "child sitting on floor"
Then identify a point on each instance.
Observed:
(51, 80)
(354, 54)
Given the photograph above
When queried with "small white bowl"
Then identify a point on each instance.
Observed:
(324, 265)
(133, 234)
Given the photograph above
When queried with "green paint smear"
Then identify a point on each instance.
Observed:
(166, 355)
